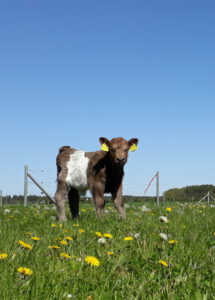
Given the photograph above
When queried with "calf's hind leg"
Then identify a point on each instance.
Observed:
(73, 196)
(61, 197)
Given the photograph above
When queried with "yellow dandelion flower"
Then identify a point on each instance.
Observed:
(92, 261)
(36, 238)
(54, 225)
(76, 225)
(61, 225)
(81, 230)
(25, 245)
(54, 247)
(3, 255)
(110, 253)
(63, 242)
(128, 238)
(108, 235)
(65, 255)
(163, 263)
(169, 209)
(25, 271)
(172, 242)
(68, 238)
(98, 233)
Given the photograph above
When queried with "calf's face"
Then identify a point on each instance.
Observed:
(118, 149)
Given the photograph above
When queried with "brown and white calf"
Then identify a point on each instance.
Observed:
(100, 172)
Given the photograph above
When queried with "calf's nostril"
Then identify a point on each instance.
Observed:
(120, 160)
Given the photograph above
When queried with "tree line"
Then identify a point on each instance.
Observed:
(185, 194)
(189, 193)
(19, 199)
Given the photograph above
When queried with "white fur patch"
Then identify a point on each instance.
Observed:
(77, 169)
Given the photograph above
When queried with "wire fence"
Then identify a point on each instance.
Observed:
(133, 185)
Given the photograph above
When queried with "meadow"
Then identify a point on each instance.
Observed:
(165, 252)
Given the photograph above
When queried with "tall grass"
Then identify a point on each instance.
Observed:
(143, 267)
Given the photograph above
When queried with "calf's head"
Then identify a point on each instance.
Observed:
(118, 149)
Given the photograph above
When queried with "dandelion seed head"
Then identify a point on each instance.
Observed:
(102, 241)
(137, 235)
(163, 219)
(144, 208)
(126, 205)
(163, 236)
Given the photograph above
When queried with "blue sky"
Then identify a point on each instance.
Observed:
(72, 71)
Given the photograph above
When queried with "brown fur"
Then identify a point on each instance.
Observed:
(104, 175)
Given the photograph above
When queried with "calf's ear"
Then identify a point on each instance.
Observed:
(133, 144)
(105, 143)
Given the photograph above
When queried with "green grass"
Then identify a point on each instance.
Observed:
(133, 270)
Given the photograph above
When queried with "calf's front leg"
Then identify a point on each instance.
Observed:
(118, 202)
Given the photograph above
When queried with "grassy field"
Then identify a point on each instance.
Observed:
(93, 258)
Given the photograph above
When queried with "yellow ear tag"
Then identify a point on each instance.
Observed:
(133, 147)
(105, 147)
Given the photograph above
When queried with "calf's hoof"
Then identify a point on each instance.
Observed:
(62, 219)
